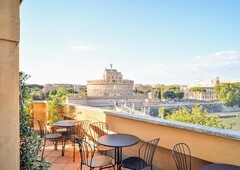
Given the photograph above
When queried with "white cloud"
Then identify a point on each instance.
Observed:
(83, 48)
(223, 64)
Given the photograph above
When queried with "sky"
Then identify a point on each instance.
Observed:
(149, 41)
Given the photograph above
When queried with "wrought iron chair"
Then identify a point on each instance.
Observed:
(78, 132)
(55, 137)
(145, 156)
(98, 129)
(182, 156)
(88, 158)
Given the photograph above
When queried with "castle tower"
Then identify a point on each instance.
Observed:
(111, 84)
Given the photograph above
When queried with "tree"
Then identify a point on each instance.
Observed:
(163, 112)
(197, 89)
(34, 86)
(30, 143)
(56, 105)
(179, 95)
(158, 93)
(173, 88)
(169, 95)
(196, 115)
(135, 90)
(228, 93)
(83, 91)
(138, 91)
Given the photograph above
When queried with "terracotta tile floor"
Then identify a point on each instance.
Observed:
(59, 162)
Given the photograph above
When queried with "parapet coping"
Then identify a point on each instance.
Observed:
(87, 107)
(224, 133)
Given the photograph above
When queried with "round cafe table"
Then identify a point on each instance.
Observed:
(68, 124)
(118, 141)
(220, 167)
(65, 123)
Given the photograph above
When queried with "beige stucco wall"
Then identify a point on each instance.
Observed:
(9, 88)
(40, 113)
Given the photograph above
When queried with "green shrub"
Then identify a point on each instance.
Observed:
(30, 143)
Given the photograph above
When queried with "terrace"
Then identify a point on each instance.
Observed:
(207, 144)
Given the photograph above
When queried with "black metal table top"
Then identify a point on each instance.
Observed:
(220, 167)
(65, 123)
(118, 140)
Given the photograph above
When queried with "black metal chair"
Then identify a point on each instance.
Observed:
(145, 156)
(88, 158)
(182, 156)
(98, 129)
(55, 137)
(79, 132)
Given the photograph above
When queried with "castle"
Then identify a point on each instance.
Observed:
(112, 89)
(111, 85)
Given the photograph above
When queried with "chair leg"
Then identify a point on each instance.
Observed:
(63, 148)
(74, 151)
(55, 144)
(43, 148)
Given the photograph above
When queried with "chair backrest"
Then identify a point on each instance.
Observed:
(80, 129)
(43, 128)
(85, 126)
(86, 152)
(182, 156)
(147, 150)
(98, 129)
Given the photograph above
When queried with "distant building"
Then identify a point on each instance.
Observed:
(144, 88)
(112, 84)
(51, 87)
(209, 93)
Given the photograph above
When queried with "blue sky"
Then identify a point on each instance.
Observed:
(149, 41)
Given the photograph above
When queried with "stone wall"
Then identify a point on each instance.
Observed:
(107, 102)
(113, 89)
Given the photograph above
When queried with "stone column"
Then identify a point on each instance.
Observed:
(9, 88)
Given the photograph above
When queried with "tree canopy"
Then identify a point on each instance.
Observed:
(34, 86)
(197, 89)
(158, 93)
(138, 91)
(228, 93)
(196, 115)
(163, 112)
(169, 95)
(179, 95)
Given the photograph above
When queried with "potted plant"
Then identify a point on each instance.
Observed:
(56, 107)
